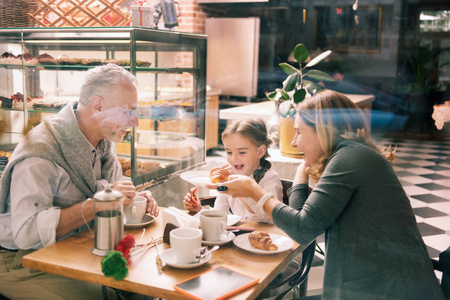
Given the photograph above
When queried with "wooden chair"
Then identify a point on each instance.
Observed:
(295, 276)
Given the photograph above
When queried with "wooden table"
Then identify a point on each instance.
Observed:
(72, 258)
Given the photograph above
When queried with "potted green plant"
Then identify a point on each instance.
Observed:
(298, 85)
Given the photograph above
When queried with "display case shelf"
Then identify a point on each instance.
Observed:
(163, 61)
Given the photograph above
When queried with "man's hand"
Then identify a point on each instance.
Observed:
(127, 189)
(152, 206)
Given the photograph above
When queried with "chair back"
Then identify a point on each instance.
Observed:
(294, 277)
(443, 265)
(286, 185)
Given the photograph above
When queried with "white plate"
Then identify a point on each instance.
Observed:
(284, 243)
(168, 256)
(225, 238)
(147, 219)
(233, 219)
(197, 178)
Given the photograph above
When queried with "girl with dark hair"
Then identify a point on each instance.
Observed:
(246, 145)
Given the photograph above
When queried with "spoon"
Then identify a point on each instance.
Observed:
(204, 252)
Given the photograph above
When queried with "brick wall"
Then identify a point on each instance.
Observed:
(192, 17)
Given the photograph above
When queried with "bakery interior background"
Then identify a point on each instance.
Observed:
(398, 50)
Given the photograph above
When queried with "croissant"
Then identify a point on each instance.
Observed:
(218, 175)
(262, 240)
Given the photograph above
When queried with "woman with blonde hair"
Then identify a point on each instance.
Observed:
(374, 249)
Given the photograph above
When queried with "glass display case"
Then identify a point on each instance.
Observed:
(43, 68)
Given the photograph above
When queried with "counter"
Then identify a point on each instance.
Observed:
(264, 110)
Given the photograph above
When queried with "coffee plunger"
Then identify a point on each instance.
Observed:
(108, 216)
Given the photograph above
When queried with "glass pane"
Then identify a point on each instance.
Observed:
(434, 21)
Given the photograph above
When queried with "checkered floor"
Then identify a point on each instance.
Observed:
(423, 168)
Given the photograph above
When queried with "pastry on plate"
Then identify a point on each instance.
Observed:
(69, 61)
(261, 240)
(218, 175)
(143, 64)
(46, 59)
(91, 62)
(28, 59)
(8, 58)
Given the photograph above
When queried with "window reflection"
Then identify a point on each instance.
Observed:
(434, 21)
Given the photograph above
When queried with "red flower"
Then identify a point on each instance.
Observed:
(125, 246)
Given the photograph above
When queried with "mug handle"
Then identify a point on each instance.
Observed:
(133, 211)
(223, 226)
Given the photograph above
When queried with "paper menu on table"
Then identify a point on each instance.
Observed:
(179, 218)
(231, 282)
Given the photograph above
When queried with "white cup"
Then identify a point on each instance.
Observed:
(186, 243)
(135, 212)
(213, 223)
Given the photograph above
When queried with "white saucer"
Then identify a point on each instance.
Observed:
(168, 256)
(233, 219)
(225, 238)
(197, 178)
(147, 219)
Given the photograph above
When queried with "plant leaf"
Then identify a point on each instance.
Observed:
(272, 95)
(286, 109)
(319, 75)
(288, 69)
(284, 95)
(312, 86)
(318, 59)
(300, 53)
(299, 96)
(291, 82)
(277, 95)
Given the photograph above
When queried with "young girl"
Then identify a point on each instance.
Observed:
(246, 144)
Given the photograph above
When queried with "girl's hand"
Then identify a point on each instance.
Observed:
(190, 204)
(152, 206)
(127, 189)
(240, 186)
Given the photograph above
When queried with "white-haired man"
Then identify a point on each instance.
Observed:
(59, 164)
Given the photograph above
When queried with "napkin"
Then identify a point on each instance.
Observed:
(179, 218)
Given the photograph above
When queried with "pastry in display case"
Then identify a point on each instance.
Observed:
(46, 66)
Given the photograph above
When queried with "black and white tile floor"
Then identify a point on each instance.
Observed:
(423, 168)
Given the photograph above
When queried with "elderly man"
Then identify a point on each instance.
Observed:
(54, 169)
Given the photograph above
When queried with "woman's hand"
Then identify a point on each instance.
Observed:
(152, 206)
(301, 176)
(240, 186)
(190, 204)
(127, 189)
